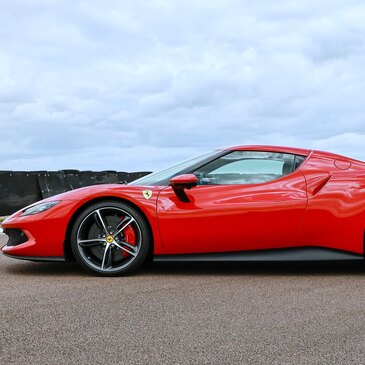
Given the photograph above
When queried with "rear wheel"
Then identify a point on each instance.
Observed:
(110, 238)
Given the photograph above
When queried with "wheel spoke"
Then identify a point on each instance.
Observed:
(100, 222)
(123, 225)
(131, 251)
(91, 242)
(107, 257)
(133, 248)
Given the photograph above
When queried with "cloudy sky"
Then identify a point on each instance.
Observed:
(138, 85)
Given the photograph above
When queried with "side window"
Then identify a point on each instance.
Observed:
(298, 161)
(247, 167)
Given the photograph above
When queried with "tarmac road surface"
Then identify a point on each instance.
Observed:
(183, 314)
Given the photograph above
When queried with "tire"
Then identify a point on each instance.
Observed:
(110, 238)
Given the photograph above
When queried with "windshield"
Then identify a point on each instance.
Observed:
(163, 177)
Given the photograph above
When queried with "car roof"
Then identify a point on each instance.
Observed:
(282, 149)
(292, 150)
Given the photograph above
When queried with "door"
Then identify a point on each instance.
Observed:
(244, 201)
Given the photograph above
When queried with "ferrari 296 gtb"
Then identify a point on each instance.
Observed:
(245, 203)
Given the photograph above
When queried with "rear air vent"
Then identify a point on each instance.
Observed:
(321, 184)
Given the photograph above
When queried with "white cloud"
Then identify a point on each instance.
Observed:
(138, 85)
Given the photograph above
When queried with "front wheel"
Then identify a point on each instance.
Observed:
(110, 238)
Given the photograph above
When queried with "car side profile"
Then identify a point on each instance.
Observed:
(243, 203)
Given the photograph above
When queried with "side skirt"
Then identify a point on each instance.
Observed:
(283, 254)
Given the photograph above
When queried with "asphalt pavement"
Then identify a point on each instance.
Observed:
(55, 313)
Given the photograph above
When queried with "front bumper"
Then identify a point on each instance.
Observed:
(37, 237)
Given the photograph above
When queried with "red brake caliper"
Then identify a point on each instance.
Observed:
(129, 237)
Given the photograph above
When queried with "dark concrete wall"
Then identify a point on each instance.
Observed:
(21, 188)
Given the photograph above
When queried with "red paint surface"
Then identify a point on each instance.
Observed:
(320, 204)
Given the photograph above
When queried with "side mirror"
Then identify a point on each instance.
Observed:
(182, 182)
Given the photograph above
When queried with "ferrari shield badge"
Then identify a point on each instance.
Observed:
(147, 194)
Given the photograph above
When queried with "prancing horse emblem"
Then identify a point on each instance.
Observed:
(147, 194)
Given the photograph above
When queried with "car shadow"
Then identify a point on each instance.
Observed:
(339, 268)
(30, 268)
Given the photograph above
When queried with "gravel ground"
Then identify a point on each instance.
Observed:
(183, 314)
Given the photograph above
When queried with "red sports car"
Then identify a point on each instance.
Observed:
(246, 203)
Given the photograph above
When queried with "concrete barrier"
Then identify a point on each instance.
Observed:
(21, 188)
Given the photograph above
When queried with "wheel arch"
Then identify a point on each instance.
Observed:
(68, 254)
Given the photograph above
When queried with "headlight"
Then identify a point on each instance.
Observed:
(39, 208)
